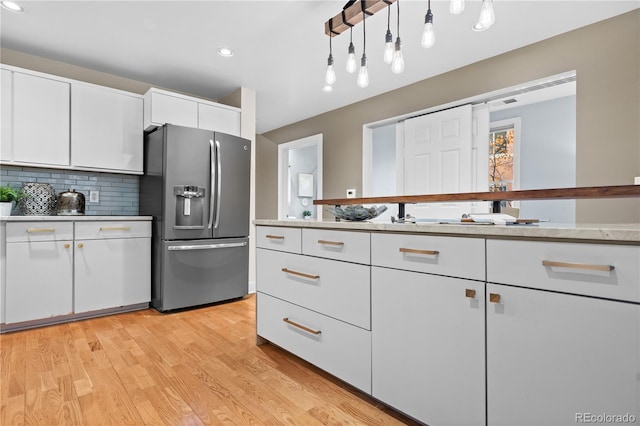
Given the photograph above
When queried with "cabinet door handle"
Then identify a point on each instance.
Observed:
(116, 228)
(587, 266)
(416, 251)
(470, 293)
(275, 237)
(301, 327)
(80, 245)
(32, 230)
(494, 298)
(331, 243)
(300, 274)
(67, 245)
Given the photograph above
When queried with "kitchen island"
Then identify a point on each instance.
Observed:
(62, 268)
(461, 323)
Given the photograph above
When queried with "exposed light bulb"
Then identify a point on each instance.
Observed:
(428, 35)
(397, 66)
(487, 17)
(352, 65)
(388, 47)
(330, 75)
(456, 7)
(363, 75)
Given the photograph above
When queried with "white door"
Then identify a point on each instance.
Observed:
(288, 195)
(438, 159)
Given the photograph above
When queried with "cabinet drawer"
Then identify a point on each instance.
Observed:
(337, 347)
(279, 238)
(451, 256)
(338, 289)
(339, 245)
(601, 270)
(112, 229)
(39, 231)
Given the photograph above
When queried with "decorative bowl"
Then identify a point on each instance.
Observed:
(356, 212)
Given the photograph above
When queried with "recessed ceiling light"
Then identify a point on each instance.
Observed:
(327, 88)
(225, 52)
(12, 6)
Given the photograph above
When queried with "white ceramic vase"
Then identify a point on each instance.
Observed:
(5, 208)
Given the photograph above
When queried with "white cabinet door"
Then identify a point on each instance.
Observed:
(553, 358)
(40, 120)
(39, 280)
(6, 118)
(163, 108)
(219, 118)
(111, 273)
(106, 129)
(428, 357)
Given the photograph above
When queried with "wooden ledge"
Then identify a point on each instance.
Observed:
(620, 191)
(352, 15)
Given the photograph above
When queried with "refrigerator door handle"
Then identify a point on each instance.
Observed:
(219, 183)
(212, 180)
(207, 246)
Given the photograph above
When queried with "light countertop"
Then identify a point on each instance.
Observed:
(76, 218)
(600, 232)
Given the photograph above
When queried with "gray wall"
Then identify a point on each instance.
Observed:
(606, 58)
(547, 154)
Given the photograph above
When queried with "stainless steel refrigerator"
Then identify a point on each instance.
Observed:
(196, 187)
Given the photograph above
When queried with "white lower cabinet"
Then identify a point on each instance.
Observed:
(111, 270)
(335, 346)
(39, 270)
(39, 280)
(428, 357)
(49, 273)
(554, 359)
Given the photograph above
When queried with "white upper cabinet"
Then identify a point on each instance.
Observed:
(55, 122)
(161, 107)
(218, 118)
(40, 120)
(164, 107)
(106, 129)
(6, 120)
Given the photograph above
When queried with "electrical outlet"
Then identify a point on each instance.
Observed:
(94, 196)
(351, 193)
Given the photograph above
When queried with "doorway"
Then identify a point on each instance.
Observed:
(300, 178)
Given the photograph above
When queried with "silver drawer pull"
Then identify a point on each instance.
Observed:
(300, 274)
(32, 230)
(587, 266)
(331, 243)
(121, 228)
(275, 237)
(301, 327)
(416, 251)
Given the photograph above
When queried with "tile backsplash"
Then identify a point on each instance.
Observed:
(119, 194)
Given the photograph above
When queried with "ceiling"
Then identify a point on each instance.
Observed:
(280, 47)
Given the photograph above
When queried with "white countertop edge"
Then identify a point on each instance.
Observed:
(78, 218)
(629, 233)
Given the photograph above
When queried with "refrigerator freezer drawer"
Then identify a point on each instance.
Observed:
(201, 272)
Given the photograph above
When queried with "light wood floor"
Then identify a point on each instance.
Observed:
(189, 368)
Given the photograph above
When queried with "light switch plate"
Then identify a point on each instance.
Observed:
(351, 193)
(94, 196)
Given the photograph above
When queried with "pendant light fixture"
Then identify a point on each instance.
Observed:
(397, 65)
(388, 39)
(330, 74)
(363, 75)
(428, 35)
(487, 17)
(456, 7)
(352, 65)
